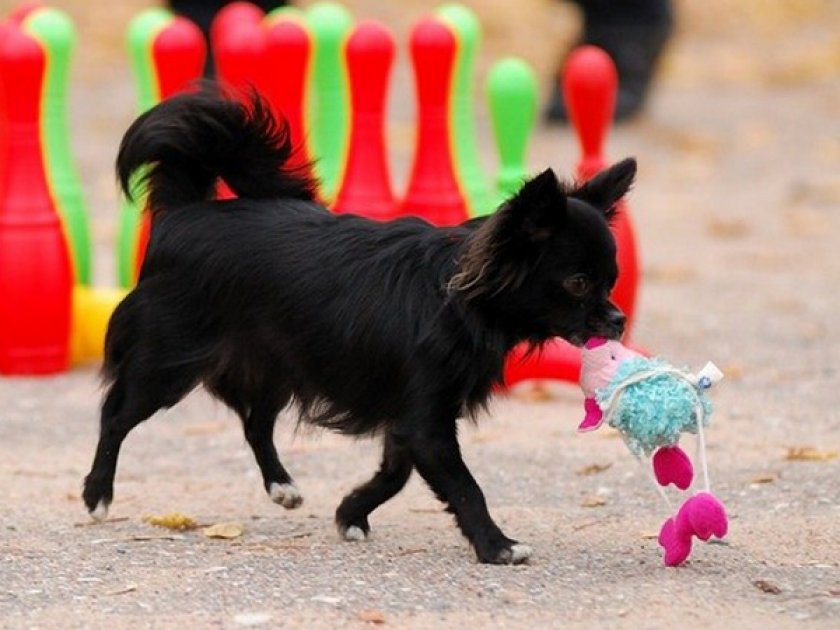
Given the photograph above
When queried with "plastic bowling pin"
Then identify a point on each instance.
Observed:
(590, 85)
(433, 192)
(35, 268)
(329, 100)
(288, 53)
(366, 182)
(512, 96)
(55, 31)
(462, 112)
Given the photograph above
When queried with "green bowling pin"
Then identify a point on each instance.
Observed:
(470, 175)
(329, 98)
(141, 34)
(512, 95)
(55, 31)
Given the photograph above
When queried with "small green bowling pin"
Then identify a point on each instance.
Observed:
(512, 95)
(471, 177)
(55, 31)
(329, 99)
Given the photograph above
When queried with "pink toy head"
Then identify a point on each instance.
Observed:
(600, 359)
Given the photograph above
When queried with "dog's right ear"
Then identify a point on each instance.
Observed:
(606, 188)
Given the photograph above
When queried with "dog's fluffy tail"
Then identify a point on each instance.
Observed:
(191, 140)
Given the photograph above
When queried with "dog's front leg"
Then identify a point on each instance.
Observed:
(437, 458)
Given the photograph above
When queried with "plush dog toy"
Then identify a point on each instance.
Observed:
(652, 403)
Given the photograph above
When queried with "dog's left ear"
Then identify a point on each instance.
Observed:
(607, 187)
(492, 260)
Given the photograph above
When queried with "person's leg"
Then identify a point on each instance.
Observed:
(633, 33)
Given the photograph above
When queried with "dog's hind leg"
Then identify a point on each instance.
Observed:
(436, 455)
(351, 517)
(129, 402)
(258, 413)
(259, 432)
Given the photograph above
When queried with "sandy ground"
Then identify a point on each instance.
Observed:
(736, 209)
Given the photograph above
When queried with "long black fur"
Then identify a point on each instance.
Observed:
(396, 329)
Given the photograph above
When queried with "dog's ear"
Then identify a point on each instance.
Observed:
(533, 212)
(607, 187)
(494, 257)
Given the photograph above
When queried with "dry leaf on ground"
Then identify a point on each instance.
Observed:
(766, 478)
(593, 469)
(172, 520)
(767, 587)
(593, 500)
(223, 530)
(371, 616)
(809, 454)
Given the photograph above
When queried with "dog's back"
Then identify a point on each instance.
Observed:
(336, 312)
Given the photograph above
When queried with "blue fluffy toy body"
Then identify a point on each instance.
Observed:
(650, 402)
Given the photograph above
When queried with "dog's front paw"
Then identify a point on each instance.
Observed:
(511, 552)
(352, 525)
(100, 512)
(353, 533)
(285, 494)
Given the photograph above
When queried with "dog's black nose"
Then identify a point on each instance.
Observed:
(617, 320)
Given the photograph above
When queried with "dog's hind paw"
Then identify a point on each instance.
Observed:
(517, 553)
(285, 494)
(100, 512)
(353, 533)
(520, 553)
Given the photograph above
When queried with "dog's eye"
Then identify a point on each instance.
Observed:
(578, 284)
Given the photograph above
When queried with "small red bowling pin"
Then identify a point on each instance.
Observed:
(35, 269)
(288, 48)
(178, 53)
(238, 39)
(590, 85)
(433, 191)
(366, 182)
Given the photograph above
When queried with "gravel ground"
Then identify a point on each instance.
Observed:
(736, 208)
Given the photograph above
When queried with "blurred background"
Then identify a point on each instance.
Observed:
(735, 77)
(737, 214)
(738, 145)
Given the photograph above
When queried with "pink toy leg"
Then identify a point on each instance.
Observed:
(672, 465)
(706, 516)
(594, 416)
(702, 516)
(677, 544)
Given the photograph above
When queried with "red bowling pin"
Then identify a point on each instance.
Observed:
(590, 85)
(178, 53)
(35, 268)
(433, 191)
(365, 187)
(288, 47)
(238, 40)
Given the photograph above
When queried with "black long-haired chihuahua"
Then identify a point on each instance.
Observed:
(396, 329)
